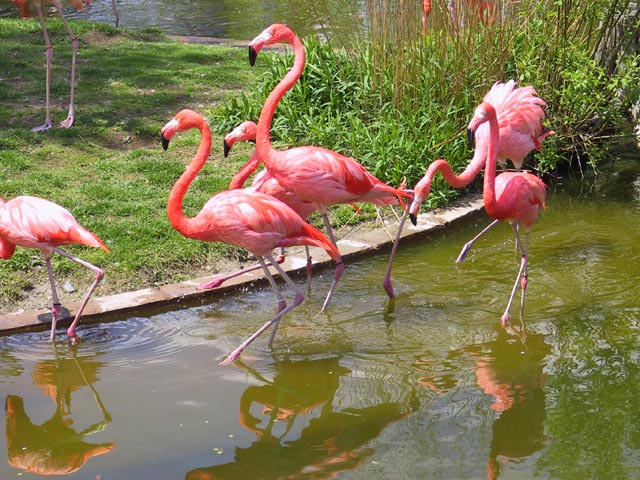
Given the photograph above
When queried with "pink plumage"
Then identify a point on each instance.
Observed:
(316, 174)
(34, 222)
(252, 220)
(516, 197)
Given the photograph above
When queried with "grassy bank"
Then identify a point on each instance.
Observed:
(109, 169)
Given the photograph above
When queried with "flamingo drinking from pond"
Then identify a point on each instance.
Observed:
(317, 175)
(34, 222)
(252, 220)
(25, 12)
(512, 196)
(263, 182)
(519, 113)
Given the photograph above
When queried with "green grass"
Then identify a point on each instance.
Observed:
(109, 169)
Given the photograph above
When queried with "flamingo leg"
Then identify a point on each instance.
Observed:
(233, 356)
(523, 266)
(386, 283)
(523, 272)
(525, 275)
(55, 309)
(334, 284)
(467, 246)
(216, 282)
(67, 122)
(327, 225)
(71, 331)
(49, 54)
(309, 267)
(339, 265)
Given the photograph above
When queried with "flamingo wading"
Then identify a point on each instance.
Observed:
(317, 175)
(265, 183)
(512, 196)
(519, 113)
(252, 220)
(34, 222)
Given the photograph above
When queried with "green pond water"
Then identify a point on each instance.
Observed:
(427, 387)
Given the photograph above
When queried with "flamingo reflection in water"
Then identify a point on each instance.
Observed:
(300, 434)
(54, 447)
(510, 369)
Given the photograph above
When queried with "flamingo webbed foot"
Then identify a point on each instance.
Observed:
(67, 122)
(44, 127)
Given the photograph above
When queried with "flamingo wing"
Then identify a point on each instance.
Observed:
(326, 178)
(35, 222)
(257, 222)
(520, 196)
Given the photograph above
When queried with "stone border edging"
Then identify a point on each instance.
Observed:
(115, 306)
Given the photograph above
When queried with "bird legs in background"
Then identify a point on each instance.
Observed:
(55, 311)
(522, 272)
(66, 123)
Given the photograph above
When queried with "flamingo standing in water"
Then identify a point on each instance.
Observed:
(24, 12)
(317, 175)
(265, 183)
(512, 196)
(252, 220)
(519, 113)
(34, 222)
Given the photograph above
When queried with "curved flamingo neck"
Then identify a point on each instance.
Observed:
(456, 181)
(489, 190)
(263, 142)
(175, 212)
(245, 172)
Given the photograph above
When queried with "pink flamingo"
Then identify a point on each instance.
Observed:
(265, 183)
(252, 220)
(512, 196)
(34, 222)
(24, 11)
(315, 174)
(519, 112)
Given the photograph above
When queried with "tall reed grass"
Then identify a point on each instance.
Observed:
(396, 94)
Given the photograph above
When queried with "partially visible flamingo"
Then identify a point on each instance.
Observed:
(512, 196)
(519, 113)
(315, 174)
(25, 12)
(252, 220)
(265, 183)
(113, 5)
(34, 222)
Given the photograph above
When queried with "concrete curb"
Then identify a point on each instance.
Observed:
(115, 307)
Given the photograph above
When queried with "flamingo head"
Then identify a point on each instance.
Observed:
(273, 34)
(184, 120)
(244, 132)
(483, 113)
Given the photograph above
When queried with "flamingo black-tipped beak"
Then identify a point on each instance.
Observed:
(227, 148)
(471, 137)
(165, 143)
(414, 219)
(252, 56)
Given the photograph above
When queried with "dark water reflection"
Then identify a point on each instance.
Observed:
(428, 387)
